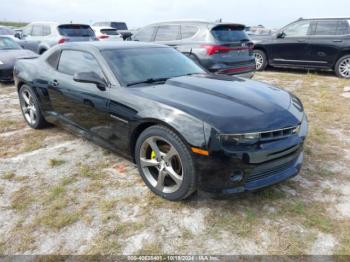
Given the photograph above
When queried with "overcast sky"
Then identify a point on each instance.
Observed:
(271, 13)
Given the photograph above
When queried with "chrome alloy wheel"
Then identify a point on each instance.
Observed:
(344, 68)
(259, 60)
(161, 164)
(28, 107)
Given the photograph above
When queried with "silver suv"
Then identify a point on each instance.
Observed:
(222, 48)
(40, 36)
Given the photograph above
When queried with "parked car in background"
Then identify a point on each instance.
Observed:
(321, 44)
(40, 36)
(218, 47)
(104, 33)
(8, 32)
(10, 51)
(121, 27)
(185, 129)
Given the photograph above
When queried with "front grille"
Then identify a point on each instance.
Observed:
(280, 133)
(259, 173)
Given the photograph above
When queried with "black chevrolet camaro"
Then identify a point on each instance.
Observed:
(185, 129)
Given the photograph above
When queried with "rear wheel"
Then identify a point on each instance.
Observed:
(30, 108)
(342, 67)
(260, 60)
(165, 163)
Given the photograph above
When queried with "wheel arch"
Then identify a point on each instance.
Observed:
(262, 48)
(341, 54)
(146, 123)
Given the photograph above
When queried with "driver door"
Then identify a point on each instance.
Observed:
(290, 47)
(82, 105)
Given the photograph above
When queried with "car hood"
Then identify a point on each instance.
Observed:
(230, 104)
(9, 57)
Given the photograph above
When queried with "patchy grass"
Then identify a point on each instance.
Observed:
(7, 125)
(56, 162)
(22, 198)
(9, 175)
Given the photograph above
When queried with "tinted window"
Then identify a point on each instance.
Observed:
(72, 62)
(168, 33)
(46, 30)
(76, 30)
(53, 59)
(297, 29)
(229, 34)
(6, 31)
(145, 35)
(188, 31)
(331, 28)
(109, 31)
(119, 26)
(8, 43)
(139, 64)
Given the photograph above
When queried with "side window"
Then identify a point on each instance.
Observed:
(326, 27)
(298, 29)
(145, 35)
(37, 30)
(27, 30)
(343, 28)
(46, 30)
(53, 59)
(72, 62)
(188, 31)
(168, 33)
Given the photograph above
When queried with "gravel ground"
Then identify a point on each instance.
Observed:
(60, 194)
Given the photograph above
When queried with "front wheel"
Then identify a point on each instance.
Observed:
(165, 163)
(342, 67)
(30, 108)
(260, 60)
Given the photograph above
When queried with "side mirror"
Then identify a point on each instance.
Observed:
(281, 35)
(18, 35)
(91, 78)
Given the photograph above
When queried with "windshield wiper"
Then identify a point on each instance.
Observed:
(148, 81)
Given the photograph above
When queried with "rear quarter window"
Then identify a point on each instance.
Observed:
(229, 34)
(145, 35)
(188, 31)
(53, 59)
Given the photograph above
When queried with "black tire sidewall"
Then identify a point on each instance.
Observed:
(262, 53)
(40, 123)
(188, 185)
(336, 69)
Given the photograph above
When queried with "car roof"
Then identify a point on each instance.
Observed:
(103, 27)
(326, 18)
(107, 45)
(197, 22)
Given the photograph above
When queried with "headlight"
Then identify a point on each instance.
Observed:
(247, 138)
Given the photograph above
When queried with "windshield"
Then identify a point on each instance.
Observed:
(8, 43)
(141, 64)
(229, 34)
(76, 30)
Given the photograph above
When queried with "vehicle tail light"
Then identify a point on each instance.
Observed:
(216, 49)
(62, 40)
(103, 37)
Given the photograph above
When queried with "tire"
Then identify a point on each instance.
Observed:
(261, 64)
(30, 108)
(342, 67)
(155, 143)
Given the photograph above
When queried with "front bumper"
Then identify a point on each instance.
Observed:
(233, 170)
(6, 74)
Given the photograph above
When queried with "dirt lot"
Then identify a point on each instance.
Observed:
(60, 194)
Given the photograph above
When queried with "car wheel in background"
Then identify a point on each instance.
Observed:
(30, 108)
(342, 67)
(165, 163)
(260, 60)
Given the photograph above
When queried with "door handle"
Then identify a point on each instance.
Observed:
(54, 83)
(337, 41)
(301, 41)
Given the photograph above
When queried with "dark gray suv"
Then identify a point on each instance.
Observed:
(219, 47)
